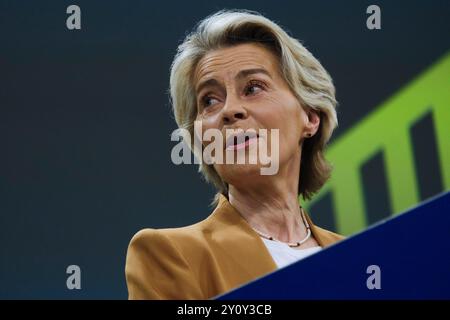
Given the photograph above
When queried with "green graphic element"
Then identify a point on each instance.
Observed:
(387, 129)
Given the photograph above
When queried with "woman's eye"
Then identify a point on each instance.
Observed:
(209, 101)
(253, 88)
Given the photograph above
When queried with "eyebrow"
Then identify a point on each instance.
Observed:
(241, 74)
(247, 72)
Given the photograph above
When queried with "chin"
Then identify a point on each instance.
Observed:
(237, 172)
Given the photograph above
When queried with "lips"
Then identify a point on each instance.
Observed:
(241, 140)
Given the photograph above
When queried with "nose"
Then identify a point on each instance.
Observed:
(233, 111)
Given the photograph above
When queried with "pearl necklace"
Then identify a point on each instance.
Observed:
(290, 244)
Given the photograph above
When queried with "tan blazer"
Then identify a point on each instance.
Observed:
(203, 260)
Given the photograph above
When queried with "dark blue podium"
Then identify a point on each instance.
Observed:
(404, 257)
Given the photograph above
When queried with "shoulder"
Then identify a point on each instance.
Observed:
(149, 239)
(158, 241)
(147, 243)
(145, 239)
(156, 258)
(165, 243)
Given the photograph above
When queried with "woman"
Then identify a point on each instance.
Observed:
(239, 70)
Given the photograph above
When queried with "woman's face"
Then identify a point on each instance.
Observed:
(241, 87)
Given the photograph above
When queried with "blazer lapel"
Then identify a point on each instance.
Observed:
(240, 242)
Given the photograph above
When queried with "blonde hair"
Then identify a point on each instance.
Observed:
(306, 77)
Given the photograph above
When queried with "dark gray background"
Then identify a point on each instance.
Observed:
(85, 122)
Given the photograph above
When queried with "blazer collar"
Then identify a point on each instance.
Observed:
(238, 237)
(243, 246)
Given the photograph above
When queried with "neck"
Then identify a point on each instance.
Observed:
(271, 205)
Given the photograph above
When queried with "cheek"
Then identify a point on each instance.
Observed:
(206, 123)
(292, 116)
(283, 113)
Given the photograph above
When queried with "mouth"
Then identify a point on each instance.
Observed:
(241, 140)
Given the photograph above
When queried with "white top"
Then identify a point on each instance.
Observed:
(283, 255)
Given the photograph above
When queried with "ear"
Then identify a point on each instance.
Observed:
(312, 124)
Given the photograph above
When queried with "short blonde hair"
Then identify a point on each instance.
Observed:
(304, 74)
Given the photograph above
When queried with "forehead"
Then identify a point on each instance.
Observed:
(229, 61)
